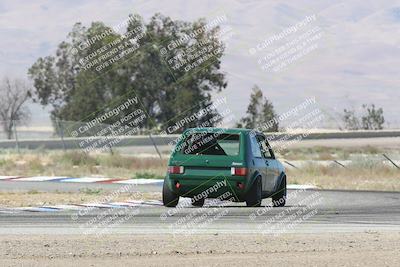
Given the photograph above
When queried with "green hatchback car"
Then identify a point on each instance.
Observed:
(221, 163)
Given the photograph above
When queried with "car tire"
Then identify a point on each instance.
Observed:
(170, 199)
(279, 198)
(198, 203)
(253, 198)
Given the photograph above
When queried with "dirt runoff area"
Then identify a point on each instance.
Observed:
(330, 249)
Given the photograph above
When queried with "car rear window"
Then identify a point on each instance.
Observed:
(211, 144)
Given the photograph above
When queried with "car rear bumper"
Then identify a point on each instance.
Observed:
(214, 187)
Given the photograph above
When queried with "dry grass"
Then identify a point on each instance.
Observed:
(80, 164)
(330, 153)
(361, 175)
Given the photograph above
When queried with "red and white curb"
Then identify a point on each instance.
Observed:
(66, 179)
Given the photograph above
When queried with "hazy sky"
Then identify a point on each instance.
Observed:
(356, 59)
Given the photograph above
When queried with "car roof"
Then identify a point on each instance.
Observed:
(225, 130)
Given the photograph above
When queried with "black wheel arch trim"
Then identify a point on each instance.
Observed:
(254, 176)
(281, 176)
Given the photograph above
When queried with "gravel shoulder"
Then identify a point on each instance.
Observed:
(345, 249)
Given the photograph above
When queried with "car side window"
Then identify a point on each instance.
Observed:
(255, 148)
(265, 149)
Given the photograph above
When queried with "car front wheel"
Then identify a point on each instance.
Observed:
(279, 198)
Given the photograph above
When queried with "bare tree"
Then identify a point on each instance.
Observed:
(351, 120)
(13, 95)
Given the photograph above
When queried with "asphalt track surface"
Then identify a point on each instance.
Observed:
(307, 211)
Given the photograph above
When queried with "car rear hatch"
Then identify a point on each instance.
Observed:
(208, 156)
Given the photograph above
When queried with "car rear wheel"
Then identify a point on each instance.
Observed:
(170, 199)
(279, 198)
(198, 203)
(253, 198)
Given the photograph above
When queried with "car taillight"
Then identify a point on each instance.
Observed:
(176, 169)
(238, 171)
